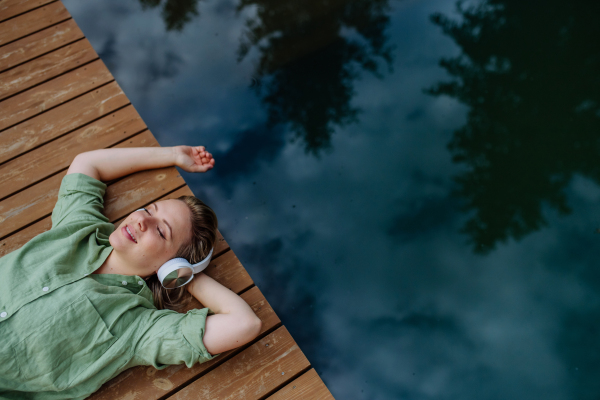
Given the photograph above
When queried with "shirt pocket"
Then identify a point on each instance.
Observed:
(63, 347)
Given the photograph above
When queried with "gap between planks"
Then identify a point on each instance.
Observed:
(33, 183)
(24, 9)
(108, 82)
(69, 130)
(61, 15)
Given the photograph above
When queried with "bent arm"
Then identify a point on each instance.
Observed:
(109, 164)
(234, 322)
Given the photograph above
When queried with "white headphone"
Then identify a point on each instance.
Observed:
(178, 271)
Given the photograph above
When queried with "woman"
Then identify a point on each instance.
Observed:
(76, 308)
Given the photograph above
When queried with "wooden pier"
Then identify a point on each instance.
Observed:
(57, 99)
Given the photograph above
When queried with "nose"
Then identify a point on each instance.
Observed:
(143, 220)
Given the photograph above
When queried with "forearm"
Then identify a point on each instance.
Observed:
(234, 323)
(109, 164)
(216, 296)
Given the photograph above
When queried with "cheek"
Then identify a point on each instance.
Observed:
(162, 250)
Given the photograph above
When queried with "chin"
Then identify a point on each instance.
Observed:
(113, 239)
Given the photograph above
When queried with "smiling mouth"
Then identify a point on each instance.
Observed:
(130, 234)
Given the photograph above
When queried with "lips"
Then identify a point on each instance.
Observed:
(126, 234)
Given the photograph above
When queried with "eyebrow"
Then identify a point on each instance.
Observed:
(165, 221)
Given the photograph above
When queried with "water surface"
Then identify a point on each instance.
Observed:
(413, 186)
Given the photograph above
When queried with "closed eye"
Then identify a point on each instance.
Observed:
(159, 232)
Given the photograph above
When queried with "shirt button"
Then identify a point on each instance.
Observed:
(124, 283)
(140, 283)
(3, 314)
(45, 288)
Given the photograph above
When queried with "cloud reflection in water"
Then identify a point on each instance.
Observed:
(358, 250)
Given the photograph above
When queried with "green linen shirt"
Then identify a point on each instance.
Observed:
(65, 331)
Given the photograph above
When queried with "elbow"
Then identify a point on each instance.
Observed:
(252, 327)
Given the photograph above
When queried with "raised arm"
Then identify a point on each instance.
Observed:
(109, 164)
(234, 322)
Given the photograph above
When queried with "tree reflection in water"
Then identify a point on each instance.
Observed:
(530, 73)
(175, 13)
(307, 66)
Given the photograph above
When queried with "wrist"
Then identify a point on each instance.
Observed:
(176, 155)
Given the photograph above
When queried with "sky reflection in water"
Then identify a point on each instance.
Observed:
(403, 266)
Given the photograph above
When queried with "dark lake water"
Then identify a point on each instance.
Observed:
(413, 186)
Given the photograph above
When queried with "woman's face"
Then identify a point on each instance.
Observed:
(145, 240)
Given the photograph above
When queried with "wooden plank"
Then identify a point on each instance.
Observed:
(307, 386)
(253, 373)
(146, 382)
(57, 155)
(32, 21)
(50, 94)
(47, 67)
(221, 246)
(37, 202)
(60, 120)
(39, 43)
(10, 8)
(228, 270)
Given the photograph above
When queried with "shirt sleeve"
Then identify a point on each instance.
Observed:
(80, 198)
(174, 338)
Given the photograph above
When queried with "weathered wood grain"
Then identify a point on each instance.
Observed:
(47, 67)
(60, 120)
(10, 8)
(52, 93)
(39, 43)
(57, 155)
(307, 386)
(32, 21)
(148, 383)
(253, 373)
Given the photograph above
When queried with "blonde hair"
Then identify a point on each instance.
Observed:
(202, 239)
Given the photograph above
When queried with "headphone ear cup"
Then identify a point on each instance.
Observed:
(171, 266)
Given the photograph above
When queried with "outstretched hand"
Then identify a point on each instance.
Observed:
(193, 159)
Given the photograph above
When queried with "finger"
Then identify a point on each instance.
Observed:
(202, 168)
